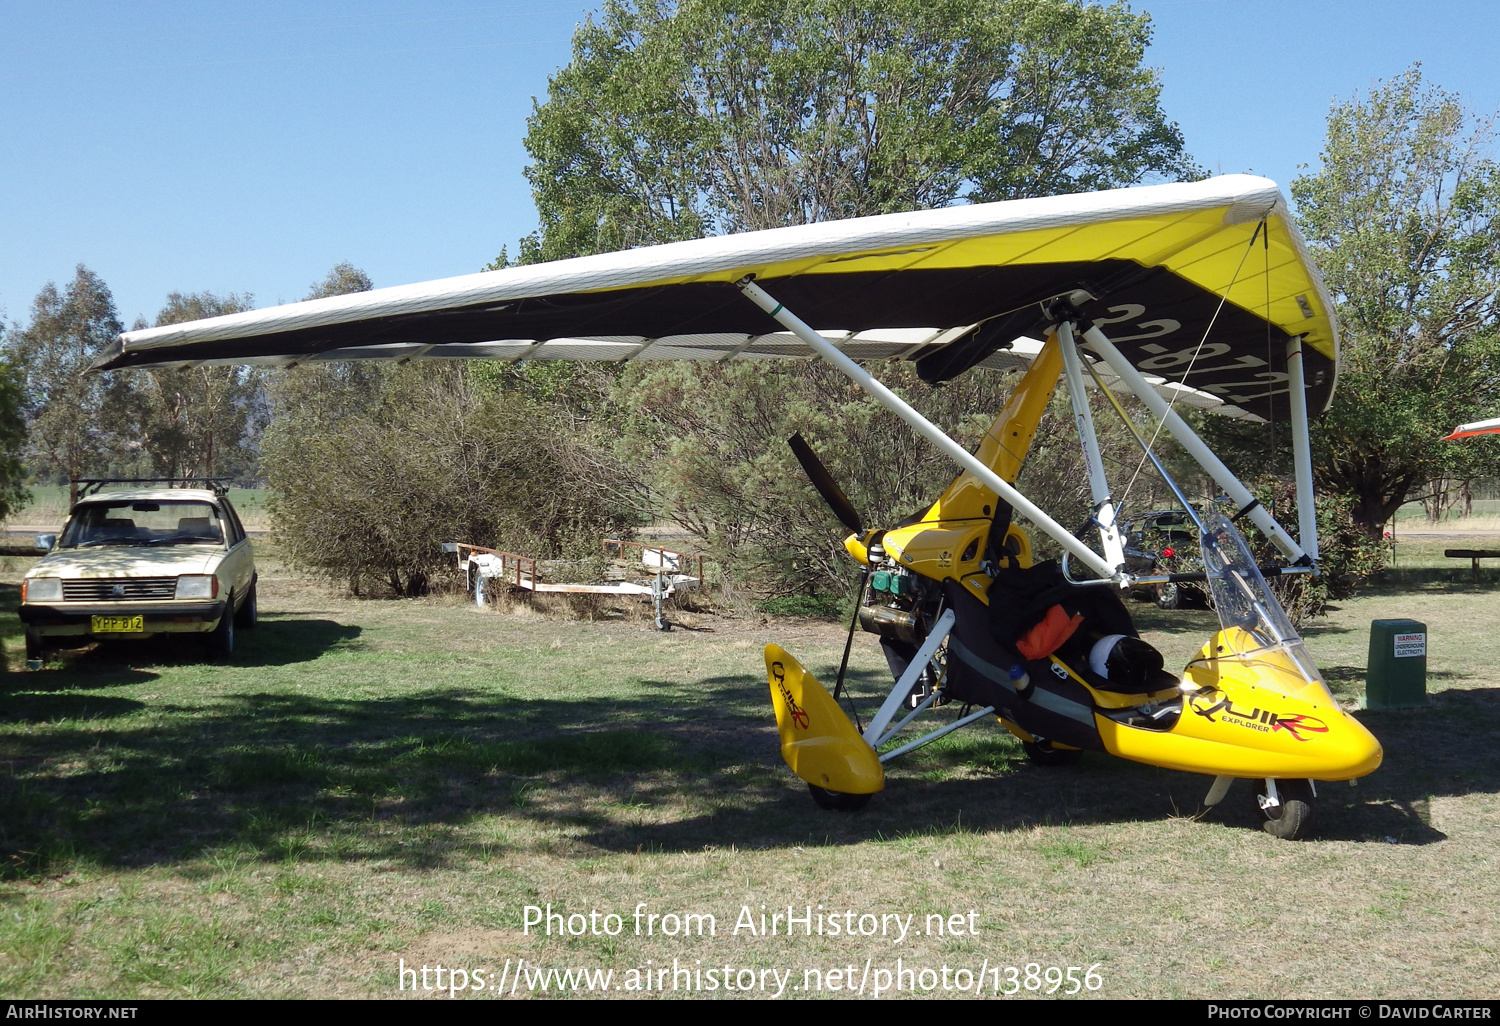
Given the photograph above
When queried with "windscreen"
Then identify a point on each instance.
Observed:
(1248, 610)
(144, 523)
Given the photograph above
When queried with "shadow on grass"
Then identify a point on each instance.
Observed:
(274, 642)
(1448, 580)
(1348, 683)
(273, 776)
(50, 707)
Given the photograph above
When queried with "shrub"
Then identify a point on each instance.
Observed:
(373, 468)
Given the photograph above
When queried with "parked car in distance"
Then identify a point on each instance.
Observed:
(135, 562)
(1164, 541)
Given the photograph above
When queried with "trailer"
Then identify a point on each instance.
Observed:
(655, 573)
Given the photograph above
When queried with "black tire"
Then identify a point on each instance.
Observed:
(35, 649)
(838, 801)
(1291, 819)
(1168, 596)
(221, 641)
(248, 615)
(1042, 753)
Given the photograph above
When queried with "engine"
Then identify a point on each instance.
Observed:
(897, 604)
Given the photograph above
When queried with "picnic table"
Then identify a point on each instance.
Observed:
(1473, 554)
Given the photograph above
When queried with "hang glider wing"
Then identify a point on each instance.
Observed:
(1199, 284)
(1479, 427)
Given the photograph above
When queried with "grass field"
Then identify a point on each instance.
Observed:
(1413, 514)
(378, 781)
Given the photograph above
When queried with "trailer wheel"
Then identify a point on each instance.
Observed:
(480, 596)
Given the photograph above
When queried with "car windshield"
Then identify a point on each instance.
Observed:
(139, 522)
(1249, 613)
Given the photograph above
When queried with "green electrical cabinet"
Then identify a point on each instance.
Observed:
(1397, 675)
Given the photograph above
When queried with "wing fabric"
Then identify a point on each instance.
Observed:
(944, 288)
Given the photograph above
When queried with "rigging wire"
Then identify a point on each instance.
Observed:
(1223, 298)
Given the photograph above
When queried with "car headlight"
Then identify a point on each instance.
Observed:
(41, 589)
(197, 586)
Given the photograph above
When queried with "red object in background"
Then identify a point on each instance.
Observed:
(1169, 552)
(1479, 427)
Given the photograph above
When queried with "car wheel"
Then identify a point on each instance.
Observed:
(1290, 820)
(1168, 596)
(221, 641)
(1042, 753)
(248, 614)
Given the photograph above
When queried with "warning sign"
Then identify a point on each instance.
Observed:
(1408, 645)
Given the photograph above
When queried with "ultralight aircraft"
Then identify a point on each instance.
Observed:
(1474, 430)
(1196, 294)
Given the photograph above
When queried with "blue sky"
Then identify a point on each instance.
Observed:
(249, 146)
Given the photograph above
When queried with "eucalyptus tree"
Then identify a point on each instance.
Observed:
(70, 432)
(700, 117)
(198, 420)
(1404, 218)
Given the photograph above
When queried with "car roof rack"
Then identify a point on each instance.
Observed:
(93, 485)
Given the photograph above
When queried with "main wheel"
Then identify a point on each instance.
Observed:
(1168, 596)
(1042, 753)
(1290, 820)
(221, 641)
(248, 614)
(838, 801)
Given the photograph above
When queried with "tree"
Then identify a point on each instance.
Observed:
(198, 420)
(65, 406)
(709, 442)
(370, 497)
(1404, 219)
(706, 116)
(314, 397)
(13, 494)
(341, 280)
(677, 120)
(372, 465)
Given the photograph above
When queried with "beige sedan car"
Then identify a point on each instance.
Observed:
(135, 563)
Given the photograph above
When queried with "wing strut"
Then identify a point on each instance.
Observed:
(1307, 510)
(928, 430)
(1104, 506)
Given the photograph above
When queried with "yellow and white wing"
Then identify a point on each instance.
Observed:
(1199, 284)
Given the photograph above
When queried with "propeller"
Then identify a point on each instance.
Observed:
(827, 487)
(842, 508)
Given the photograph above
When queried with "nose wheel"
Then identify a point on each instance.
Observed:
(838, 801)
(1288, 808)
